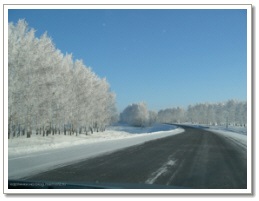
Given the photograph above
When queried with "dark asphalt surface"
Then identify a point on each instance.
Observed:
(196, 159)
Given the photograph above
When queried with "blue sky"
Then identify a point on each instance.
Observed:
(165, 58)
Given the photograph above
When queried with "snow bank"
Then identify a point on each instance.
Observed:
(141, 130)
(235, 137)
(236, 134)
(38, 143)
(235, 129)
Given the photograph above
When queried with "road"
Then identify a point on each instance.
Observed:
(196, 159)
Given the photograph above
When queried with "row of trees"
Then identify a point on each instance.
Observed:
(48, 92)
(231, 112)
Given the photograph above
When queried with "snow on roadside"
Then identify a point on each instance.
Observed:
(237, 138)
(235, 129)
(236, 134)
(140, 130)
(38, 143)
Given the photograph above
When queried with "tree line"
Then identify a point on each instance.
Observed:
(49, 92)
(231, 112)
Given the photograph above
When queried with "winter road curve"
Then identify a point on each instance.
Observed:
(197, 159)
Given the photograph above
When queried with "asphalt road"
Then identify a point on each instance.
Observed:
(196, 159)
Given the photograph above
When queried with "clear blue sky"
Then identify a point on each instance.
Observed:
(165, 58)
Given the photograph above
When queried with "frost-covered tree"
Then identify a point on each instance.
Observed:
(135, 114)
(152, 117)
(171, 115)
(48, 91)
(230, 112)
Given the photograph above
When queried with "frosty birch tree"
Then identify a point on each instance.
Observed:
(47, 90)
(135, 114)
(171, 115)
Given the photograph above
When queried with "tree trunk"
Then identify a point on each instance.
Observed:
(19, 130)
(13, 131)
(43, 130)
(28, 134)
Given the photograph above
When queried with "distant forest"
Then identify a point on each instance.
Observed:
(231, 112)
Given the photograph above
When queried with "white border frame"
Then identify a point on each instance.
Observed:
(248, 7)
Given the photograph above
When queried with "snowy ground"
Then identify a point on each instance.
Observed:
(38, 143)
